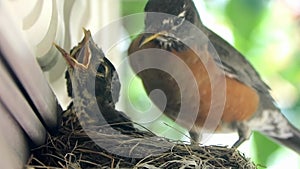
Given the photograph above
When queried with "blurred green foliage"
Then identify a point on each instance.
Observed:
(132, 6)
(245, 16)
(263, 148)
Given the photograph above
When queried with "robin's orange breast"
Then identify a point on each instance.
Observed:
(241, 100)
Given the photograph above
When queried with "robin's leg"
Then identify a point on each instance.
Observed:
(195, 137)
(244, 133)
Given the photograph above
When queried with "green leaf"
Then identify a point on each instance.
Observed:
(245, 16)
(132, 6)
(264, 148)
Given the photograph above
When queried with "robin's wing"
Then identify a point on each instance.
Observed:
(234, 63)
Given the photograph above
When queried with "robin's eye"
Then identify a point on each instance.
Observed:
(178, 21)
(101, 71)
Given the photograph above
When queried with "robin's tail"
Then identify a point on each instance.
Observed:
(275, 125)
(293, 142)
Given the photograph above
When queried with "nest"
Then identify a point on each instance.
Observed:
(117, 144)
(72, 148)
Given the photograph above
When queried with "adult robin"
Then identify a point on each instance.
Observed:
(248, 104)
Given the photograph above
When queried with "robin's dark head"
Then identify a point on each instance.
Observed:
(165, 19)
(182, 8)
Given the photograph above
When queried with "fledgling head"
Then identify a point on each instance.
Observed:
(87, 63)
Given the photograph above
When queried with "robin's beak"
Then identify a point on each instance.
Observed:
(82, 52)
(71, 61)
(150, 38)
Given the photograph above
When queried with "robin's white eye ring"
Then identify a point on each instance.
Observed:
(178, 21)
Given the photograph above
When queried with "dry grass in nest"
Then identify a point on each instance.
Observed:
(72, 148)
